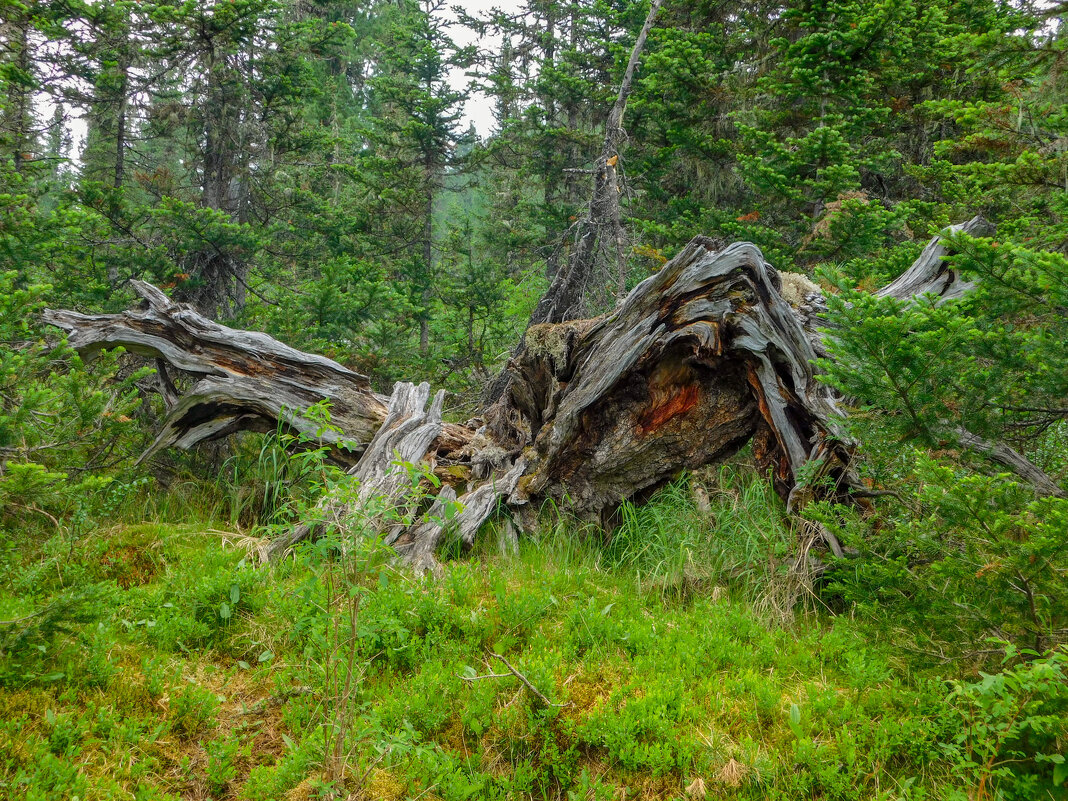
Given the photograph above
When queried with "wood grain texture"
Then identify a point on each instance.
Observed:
(248, 380)
(697, 361)
(931, 273)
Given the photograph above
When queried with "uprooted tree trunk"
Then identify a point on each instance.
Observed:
(247, 381)
(699, 360)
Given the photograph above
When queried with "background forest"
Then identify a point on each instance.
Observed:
(306, 168)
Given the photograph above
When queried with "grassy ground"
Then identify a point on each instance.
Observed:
(161, 663)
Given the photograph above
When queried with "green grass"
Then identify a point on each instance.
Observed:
(187, 672)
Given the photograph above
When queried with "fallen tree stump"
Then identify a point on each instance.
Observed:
(700, 359)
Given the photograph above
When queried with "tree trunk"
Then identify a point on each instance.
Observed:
(122, 101)
(16, 116)
(700, 359)
(551, 189)
(220, 287)
(428, 258)
(601, 228)
(571, 284)
(247, 380)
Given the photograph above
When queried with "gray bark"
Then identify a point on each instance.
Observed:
(1010, 458)
(600, 229)
(382, 496)
(247, 380)
(930, 274)
(699, 360)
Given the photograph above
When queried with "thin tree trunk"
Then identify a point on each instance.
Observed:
(17, 117)
(120, 115)
(564, 300)
(221, 289)
(428, 256)
(551, 190)
(571, 183)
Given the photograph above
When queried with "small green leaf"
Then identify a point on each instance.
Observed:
(266, 656)
(469, 672)
(607, 609)
(1060, 773)
(224, 610)
(235, 594)
(241, 663)
(795, 721)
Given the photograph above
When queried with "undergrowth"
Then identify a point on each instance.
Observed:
(158, 661)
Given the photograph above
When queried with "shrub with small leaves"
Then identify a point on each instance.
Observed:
(193, 710)
(1012, 740)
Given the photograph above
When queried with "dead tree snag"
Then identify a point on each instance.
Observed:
(700, 359)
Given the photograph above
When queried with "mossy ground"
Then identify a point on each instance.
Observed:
(201, 676)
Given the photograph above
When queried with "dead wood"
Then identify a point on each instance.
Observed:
(380, 495)
(700, 359)
(512, 672)
(246, 380)
(599, 232)
(931, 273)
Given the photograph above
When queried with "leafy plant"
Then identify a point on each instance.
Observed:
(222, 762)
(975, 557)
(1014, 726)
(47, 644)
(193, 710)
(61, 426)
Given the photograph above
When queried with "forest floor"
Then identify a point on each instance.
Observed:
(163, 663)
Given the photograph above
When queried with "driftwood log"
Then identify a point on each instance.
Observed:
(700, 359)
(247, 381)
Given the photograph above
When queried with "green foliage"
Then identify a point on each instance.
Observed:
(198, 608)
(222, 759)
(58, 422)
(965, 553)
(754, 550)
(304, 170)
(193, 710)
(1013, 728)
(988, 362)
(49, 644)
(657, 690)
(974, 557)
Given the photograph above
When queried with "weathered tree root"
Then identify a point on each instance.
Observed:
(699, 360)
